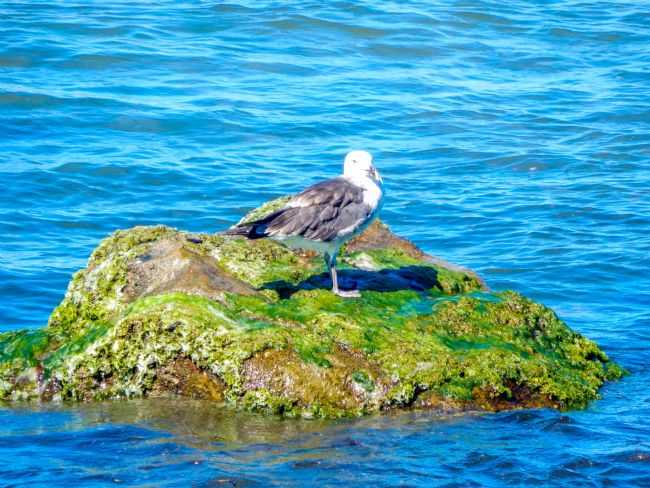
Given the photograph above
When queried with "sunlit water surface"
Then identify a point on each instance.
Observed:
(513, 138)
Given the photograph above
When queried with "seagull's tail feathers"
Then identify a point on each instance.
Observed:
(250, 231)
(256, 229)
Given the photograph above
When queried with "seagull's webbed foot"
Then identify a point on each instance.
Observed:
(348, 293)
(331, 264)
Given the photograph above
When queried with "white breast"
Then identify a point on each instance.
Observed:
(372, 192)
(373, 198)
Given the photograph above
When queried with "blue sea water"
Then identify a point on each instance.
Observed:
(513, 137)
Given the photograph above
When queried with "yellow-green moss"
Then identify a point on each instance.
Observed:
(420, 334)
(263, 261)
(265, 209)
(94, 293)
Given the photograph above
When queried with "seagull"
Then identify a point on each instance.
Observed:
(326, 215)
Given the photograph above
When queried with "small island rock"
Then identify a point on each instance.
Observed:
(253, 325)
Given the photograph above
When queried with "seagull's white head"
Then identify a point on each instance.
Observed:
(358, 164)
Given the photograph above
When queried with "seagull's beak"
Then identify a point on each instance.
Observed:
(375, 175)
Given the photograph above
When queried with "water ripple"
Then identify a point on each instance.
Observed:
(513, 139)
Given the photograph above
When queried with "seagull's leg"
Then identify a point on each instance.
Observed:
(335, 280)
(331, 264)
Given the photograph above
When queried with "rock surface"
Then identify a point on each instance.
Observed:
(252, 324)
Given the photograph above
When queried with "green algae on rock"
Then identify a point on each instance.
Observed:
(253, 325)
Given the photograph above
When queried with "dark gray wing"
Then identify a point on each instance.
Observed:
(322, 212)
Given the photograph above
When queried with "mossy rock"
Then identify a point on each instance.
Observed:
(253, 325)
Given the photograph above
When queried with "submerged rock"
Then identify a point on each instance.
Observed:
(252, 324)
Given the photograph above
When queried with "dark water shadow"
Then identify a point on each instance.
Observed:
(417, 278)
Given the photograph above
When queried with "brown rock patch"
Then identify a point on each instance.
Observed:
(169, 267)
(183, 378)
(379, 236)
(285, 374)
